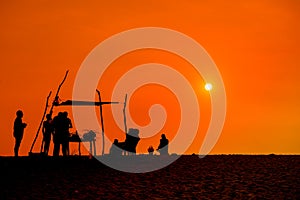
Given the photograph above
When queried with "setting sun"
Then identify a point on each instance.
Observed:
(208, 86)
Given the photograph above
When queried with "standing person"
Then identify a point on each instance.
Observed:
(19, 127)
(66, 125)
(163, 145)
(61, 125)
(48, 130)
(57, 137)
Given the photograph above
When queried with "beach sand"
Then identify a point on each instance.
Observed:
(212, 177)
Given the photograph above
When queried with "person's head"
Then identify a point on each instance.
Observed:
(116, 141)
(163, 136)
(19, 113)
(60, 114)
(65, 114)
(48, 116)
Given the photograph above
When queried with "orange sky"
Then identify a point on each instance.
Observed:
(255, 45)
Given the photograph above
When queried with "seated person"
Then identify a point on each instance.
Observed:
(115, 149)
(163, 145)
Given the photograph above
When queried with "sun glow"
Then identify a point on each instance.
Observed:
(208, 86)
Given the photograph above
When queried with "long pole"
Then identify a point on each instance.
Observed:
(51, 109)
(57, 92)
(101, 119)
(124, 114)
(37, 133)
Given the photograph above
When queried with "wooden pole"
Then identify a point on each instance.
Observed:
(102, 123)
(124, 114)
(51, 110)
(37, 133)
(94, 144)
(57, 92)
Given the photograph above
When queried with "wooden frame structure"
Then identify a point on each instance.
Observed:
(73, 103)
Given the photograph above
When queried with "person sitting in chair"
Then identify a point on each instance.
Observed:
(163, 145)
(115, 149)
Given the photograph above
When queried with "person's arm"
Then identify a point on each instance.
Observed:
(70, 124)
(159, 146)
(16, 124)
(23, 125)
(43, 129)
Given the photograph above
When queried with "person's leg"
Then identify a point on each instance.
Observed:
(64, 147)
(43, 146)
(17, 146)
(67, 146)
(56, 148)
(46, 146)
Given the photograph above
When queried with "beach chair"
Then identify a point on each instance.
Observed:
(131, 141)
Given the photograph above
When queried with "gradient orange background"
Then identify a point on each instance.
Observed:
(255, 44)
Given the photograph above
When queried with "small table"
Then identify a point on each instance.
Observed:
(76, 138)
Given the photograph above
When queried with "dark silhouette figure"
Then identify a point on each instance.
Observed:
(48, 130)
(150, 150)
(131, 141)
(67, 125)
(163, 145)
(61, 125)
(115, 149)
(57, 133)
(19, 127)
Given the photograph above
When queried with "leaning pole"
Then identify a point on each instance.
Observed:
(45, 110)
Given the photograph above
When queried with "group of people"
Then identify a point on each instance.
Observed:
(58, 127)
(118, 147)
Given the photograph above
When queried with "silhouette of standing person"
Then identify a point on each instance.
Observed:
(67, 124)
(19, 127)
(48, 130)
(57, 137)
(61, 125)
(163, 145)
